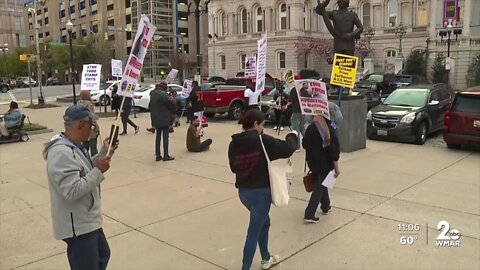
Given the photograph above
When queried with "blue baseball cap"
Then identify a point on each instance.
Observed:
(78, 112)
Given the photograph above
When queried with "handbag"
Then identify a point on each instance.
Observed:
(277, 171)
(308, 178)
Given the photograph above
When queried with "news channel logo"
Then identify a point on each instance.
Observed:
(447, 237)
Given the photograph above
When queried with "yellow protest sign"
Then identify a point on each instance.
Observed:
(23, 57)
(344, 70)
(289, 79)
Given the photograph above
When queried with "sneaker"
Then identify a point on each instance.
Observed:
(158, 158)
(152, 130)
(281, 128)
(312, 220)
(168, 158)
(273, 260)
(275, 128)
(137, 129)
(324, 212)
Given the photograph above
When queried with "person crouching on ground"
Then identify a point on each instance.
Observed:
(248, 162)
(91, 143)
(322, 155)
(162, 107)
(74, 184)
(193, 137)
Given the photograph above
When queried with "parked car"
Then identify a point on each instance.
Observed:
(142, 96)
(462, 120)
(410, 113)
(53, 81)
(104, 95)
(372, 97)
(26, 82)
(406, 80)
(382, 83)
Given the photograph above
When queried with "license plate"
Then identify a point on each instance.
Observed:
(476, 123)
(382, 132)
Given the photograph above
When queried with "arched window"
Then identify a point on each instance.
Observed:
(392, 11)
(282, 17)
(390, 53)
(241, 59)
(223, 23)
(306, 16)
(366, 15)
(258, 19)
(243, 21)
(281, 60)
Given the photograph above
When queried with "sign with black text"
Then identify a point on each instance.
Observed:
(116, 68)
(261, 64)
(313, 98)
(91, 77)
(344, 70)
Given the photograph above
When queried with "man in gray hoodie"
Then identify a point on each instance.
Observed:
(74, 184)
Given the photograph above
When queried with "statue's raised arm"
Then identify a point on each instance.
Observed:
(342, 28)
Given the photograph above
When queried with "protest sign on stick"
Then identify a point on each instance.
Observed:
(313, 98)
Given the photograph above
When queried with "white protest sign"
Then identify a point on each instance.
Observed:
(261, 65)
(91, 77)
(250, 66)
(116, 68)
(134, 64)
(313, 98)
(187, 88)
(171, 76)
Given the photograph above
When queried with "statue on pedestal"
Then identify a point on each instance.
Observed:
(342, 29)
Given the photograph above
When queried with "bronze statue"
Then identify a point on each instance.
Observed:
(342, 29)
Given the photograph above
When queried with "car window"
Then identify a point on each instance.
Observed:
(402, 79)
(374, 78)
(104, 85)
(444, 94)
(468, 104)
(407, 97)
(143, 89)
(174, 88)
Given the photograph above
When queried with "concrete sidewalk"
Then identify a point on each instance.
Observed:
(185, 214)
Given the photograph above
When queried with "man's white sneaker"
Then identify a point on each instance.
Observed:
(273, 260)
(275, 128)
(281, 128)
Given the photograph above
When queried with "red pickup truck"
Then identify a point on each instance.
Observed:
(228, 97)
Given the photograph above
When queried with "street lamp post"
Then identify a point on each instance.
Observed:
(448, 32)
(4, 48)
(214, 39)
(33, 10)
(369, 34)
(199, 10)
(400, 31)
(69, 27)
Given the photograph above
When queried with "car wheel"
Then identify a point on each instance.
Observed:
(4, 89)
(235, 111)
(421, 134)
(453, 146)
(24, 137)
(104, 100)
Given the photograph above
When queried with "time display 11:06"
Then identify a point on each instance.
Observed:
(408, 227)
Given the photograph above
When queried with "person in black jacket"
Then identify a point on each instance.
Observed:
(116, 100)
(248, 162)
(322, 154)
(162, 110)
(127, 107)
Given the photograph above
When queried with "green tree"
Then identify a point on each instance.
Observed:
(439, 74)
(473, 73)
(416, 64)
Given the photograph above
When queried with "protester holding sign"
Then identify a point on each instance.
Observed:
(322, 155)
(125, 115)
(251, 97)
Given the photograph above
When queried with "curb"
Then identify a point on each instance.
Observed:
(40, 131)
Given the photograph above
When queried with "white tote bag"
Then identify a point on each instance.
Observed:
(279, 185)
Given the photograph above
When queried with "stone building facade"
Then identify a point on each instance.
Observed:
(239, 24)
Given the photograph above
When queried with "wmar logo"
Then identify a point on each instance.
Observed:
(447, 237)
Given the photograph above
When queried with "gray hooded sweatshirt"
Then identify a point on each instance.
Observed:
(74, 185)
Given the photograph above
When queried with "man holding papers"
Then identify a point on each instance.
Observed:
(322, 153)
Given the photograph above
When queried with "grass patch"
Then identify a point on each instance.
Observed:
(33, 127)
(41, 106)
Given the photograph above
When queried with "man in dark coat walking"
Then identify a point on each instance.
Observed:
(162, 112)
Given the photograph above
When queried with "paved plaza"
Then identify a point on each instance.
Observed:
(185, 214)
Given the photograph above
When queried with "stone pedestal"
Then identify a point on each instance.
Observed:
(352, 130)
(398, 64)
(369, 65)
